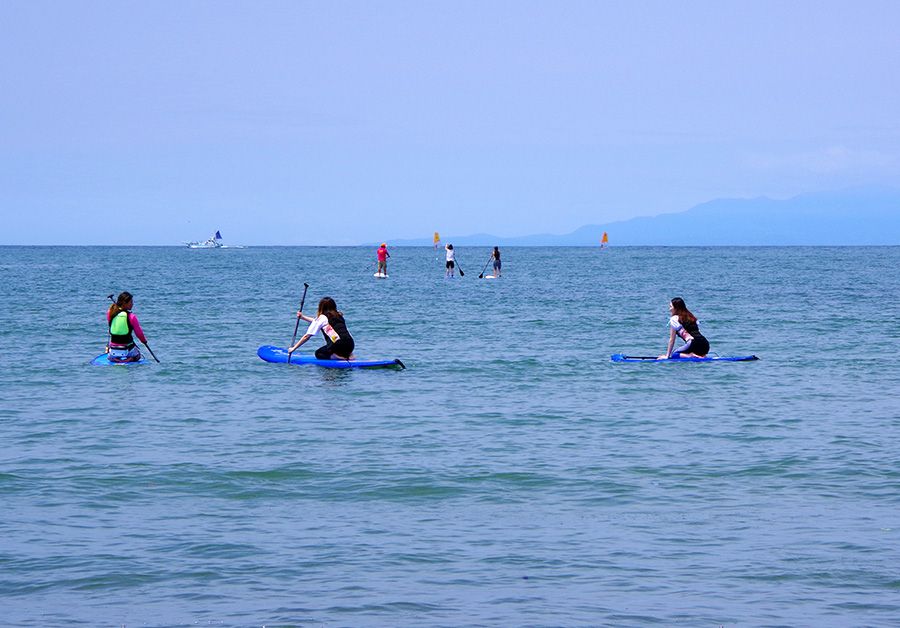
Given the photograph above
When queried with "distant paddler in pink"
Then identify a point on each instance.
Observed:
(382, 254)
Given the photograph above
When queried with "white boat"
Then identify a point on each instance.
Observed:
(211, 243)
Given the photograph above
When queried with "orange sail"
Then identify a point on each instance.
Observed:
(604, 241)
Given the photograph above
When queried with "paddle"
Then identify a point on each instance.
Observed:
(481, 274)
(461, 273)
(297, 325)
(151, 352)
(110, 297)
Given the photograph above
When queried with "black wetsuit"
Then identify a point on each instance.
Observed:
(343, 346)
(699, 345)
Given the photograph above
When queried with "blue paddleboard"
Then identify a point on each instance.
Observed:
(280, 355)
(619, 357)
(103, 360)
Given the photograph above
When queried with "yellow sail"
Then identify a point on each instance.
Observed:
(604, 240)
(437, 238)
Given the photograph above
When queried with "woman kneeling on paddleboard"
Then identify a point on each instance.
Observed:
(684, 324)
(338, 341)
(122, 323)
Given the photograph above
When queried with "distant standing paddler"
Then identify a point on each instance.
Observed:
(451, 260)
(382, 254)
(122, 323)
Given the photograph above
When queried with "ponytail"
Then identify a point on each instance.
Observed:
(119, 306)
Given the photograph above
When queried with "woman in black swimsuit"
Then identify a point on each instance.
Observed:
(684, 325)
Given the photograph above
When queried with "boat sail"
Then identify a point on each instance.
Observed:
(604, 241)
(210, 243)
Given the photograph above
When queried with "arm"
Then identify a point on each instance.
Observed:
(671, 344)
(311, 331)
(136, 326)
(304, 317)
(299, 343)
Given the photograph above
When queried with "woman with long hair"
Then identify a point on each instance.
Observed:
(683, 324)
(330, 321)
(451, 260)
(497, 265)
(122, 324)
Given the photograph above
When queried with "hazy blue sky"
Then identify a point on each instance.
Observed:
(347, 122)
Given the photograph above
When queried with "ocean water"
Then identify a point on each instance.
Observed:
(511, 476)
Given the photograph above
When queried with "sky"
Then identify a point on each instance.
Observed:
(348, 122)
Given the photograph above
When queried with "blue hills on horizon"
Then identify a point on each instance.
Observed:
(859, 216)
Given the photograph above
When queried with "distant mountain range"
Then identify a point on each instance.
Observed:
(857, 216)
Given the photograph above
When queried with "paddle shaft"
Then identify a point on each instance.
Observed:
(481, 274)
(151, 352)
(110, 297)
(297, 325)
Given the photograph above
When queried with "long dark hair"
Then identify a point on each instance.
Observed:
(684, 315)
(328, 307)
(119, 306)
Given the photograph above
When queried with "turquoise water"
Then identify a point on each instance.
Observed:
(511, 475)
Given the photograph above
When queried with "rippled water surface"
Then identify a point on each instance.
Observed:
(511, 475)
